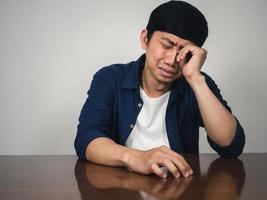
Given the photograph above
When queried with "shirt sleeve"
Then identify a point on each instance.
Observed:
(235, 148)
(96, 115)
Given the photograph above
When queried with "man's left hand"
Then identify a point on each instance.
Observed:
(191, 68)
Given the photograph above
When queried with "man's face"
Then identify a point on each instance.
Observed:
(161, 55)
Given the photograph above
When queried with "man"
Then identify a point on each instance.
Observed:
(143, 115)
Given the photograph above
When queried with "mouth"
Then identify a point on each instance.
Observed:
(167, 73)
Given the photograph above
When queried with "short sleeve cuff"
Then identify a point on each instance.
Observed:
(234, 149)
(83, 139)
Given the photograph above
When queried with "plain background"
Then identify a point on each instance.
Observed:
(50, 49)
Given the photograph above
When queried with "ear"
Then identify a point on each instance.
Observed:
(143, 39)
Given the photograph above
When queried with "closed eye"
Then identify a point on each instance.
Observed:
(166, 46)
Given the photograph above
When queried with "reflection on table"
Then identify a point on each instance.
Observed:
(223, 179)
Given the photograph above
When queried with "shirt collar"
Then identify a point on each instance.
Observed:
(133, 77)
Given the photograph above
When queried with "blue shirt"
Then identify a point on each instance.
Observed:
(114, 102)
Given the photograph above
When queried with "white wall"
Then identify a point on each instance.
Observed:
(49, 50)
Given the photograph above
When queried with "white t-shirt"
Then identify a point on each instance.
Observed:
(150, 128)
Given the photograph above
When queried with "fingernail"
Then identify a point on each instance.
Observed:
(186, 174)
(165, 176)
(177, 175)
(191, 171)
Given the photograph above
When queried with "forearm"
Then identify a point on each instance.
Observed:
(219, 123)
(106, 152)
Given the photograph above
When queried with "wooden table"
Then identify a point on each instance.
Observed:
(64, 177)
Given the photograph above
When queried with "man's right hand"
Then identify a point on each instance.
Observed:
(151, 161)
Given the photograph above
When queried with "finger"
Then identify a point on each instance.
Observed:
(187, 164)
(178, 60)
(182, 63)
(156, 170)
(184, 52)
(177, 157)
(166, 150)
(181, 51)
(171, 167)
(182, 164)
(190, 50)
(179, 161)
(184, 161)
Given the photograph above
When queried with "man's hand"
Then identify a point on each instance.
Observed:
(149, 161)
(190, 59)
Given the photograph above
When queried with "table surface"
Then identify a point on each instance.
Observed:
(65, 177)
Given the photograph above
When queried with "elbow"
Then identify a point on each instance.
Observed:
(227, 134)
(236, 147)
(231, 149)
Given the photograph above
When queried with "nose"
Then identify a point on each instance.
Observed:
(170, 57)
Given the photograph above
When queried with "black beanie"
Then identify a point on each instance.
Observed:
(181, 19)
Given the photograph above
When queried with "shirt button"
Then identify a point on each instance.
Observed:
(131, 125)
(140, 105)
